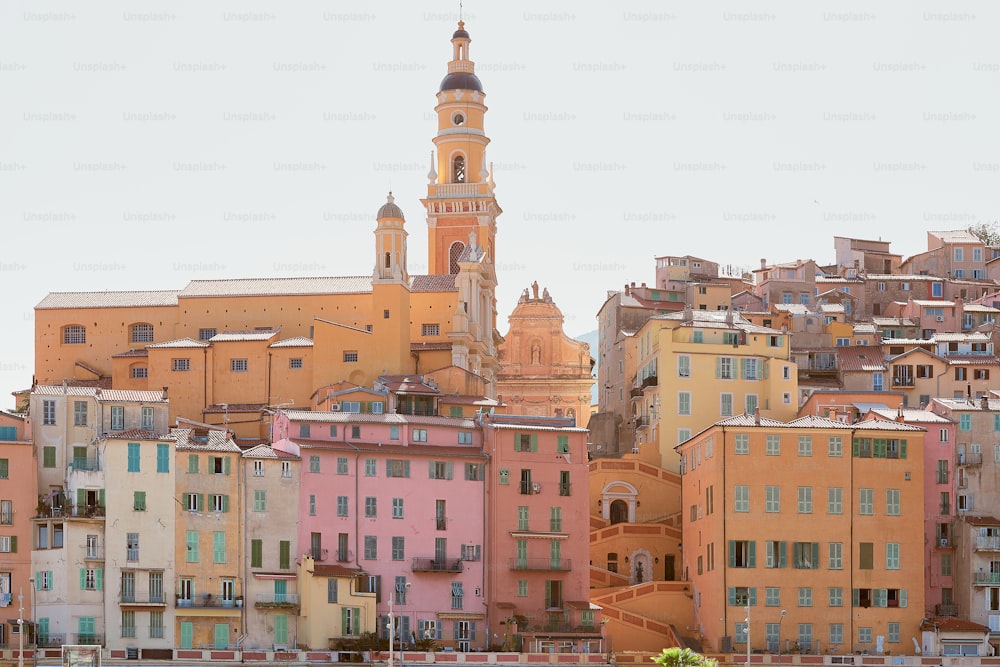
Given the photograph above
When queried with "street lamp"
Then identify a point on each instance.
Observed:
(392, 629)
(747, 621)
(31, 592)
(20, 627)
(780, 619)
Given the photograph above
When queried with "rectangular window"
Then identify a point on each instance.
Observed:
(133, 457)
(440, 470)
(474, 472)
(192, 463)
(397, 508)
(683, 366)
(370, 467)
(206, 334)
(220, 502)
(313, 463)
(805, 555)
(465, 437)
(131, 546)
(774, 554)
(742, 553)
(522, 588)
(772, 597)
(331, 590)
(397, 468)
(772, 499)
(742, 443)
(805, 500)
(259, 500)
(181, 365)
(726, 405)
(139, 501)
(772, 445)
(79, 413)
(892, 632)
(805, 597)
(218, 546)
(398, 548)
(892, 556)
(162, 458)
(256, 553)
(146, 418)
(892, 502)
(837, 597)
(942, 472)
(192, 546)
(430, 329)
(835, 500)
(866, 501)
(371, 547)
(741, 496)
(139, 372)
(48, 457)
(48, 413)
(836, 560)
(342, 506)
(295, 363)
(864, 635)
(342, 466)
(684, 403)
(304, 430)
(238, 365)
(805, 445)
(350, 357)
(866, 556)
(371, 507)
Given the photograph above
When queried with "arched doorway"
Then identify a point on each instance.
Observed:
(619, 511)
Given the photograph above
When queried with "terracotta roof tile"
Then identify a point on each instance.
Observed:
(267, 452)
(137, 434)
(433, 283)
(178, 343)
(136, 299)
(240, 336)
(130, 353)
(296, 341)
(277, 286)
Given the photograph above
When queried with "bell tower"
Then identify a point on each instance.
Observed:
(460, 197)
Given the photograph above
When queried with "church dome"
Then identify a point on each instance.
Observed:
(461, 81)
(461, 32)
(389, 209)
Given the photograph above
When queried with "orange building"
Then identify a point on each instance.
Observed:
(233, 347)
(839, 556)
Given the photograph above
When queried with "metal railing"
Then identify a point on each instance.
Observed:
(986, 578)
(423, 564)
(290, 599)
(988, 543)
(541, 564)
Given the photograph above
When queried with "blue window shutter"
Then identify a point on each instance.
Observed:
(753, 597)
(782, 555)
(732, 553)
(753, 554)
(732, 596)
(902, 597)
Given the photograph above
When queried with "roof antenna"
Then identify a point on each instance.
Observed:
(459, 10)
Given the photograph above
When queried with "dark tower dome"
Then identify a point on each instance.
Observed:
(461, 81)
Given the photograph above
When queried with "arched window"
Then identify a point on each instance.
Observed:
(458, 169)
(142, 333)
(387, 261)
(454, 253)
(74, 334)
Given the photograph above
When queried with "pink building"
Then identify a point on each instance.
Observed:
(18, 499)
(401, 497)
(939, 512)
(538, 544)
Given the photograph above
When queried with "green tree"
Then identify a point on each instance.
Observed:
(987, 232)
(683, 657)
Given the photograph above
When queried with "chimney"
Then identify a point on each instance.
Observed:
(763, 262)
(64, 385)
(164, 392)
(985, 403)
(627, 290)
(899, 414)
(756, 416)
(832, 414)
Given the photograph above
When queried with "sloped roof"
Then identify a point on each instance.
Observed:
(178, 344)
(105, 395)
(137, 434)
(126, 299)
(242, 336)
(952, 624)
(433, 283)
(913, 415)
(296, 341)
(860, 358)
(277, 286)
(264, 451)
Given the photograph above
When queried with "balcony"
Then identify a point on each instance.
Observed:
(540, 564)
(440, 190)
(318, 554)
(986, 578)
(50, 640)
(93, 553)
(946, 609)
(277, 600)
(902, 381)
(970, 459)
(345, 556)
(142, 598)
(205, 601)
(436, 565)
(988, 543)
(85, 465)
(88, 638)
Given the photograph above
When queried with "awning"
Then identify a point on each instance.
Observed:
(460, 616)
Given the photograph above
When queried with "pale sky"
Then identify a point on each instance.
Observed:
(146, 144)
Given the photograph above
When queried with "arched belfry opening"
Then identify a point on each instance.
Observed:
(458, 169)
(454, 253)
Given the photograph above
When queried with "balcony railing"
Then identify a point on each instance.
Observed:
(50, 640)
(902, 382)
(93, 553)
(206, 601)
(277, 600)
(420, 564)
(988, 543)
(970, 459)
(345, 555)
(84, 464)
(986, 578)
(542, 564)
(943, 609)
(319, 554)
(90, 638)
(141, 597)
(458, 190)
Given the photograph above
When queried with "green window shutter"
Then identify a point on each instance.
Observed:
(752, 561)
(187, 634)
(13, 544)
(225, 465)
(430, 470)
(902, 449)
(343, 620)
(753, 597)
(534, 443)
(732, 596)
(718, 367)
(38, 581)
(406, 468)
(855, 447)
(796, 554)
(517, 442)
(781, 555)
(256, 553)
(211, 464)
(99, 578)
(185, 497)
(100, 498)
(902, 597)
(732, 553)
(284, 550)
(855, 597)
(81, 497)
(448, 470)
(815, 555)
(201, 502)
(192, 463)
(762, 368)
(83, 579)
(225, 503)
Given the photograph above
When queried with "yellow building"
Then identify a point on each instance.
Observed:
(813, 529)
(250, 343)
(337, 604)
(697, 366)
